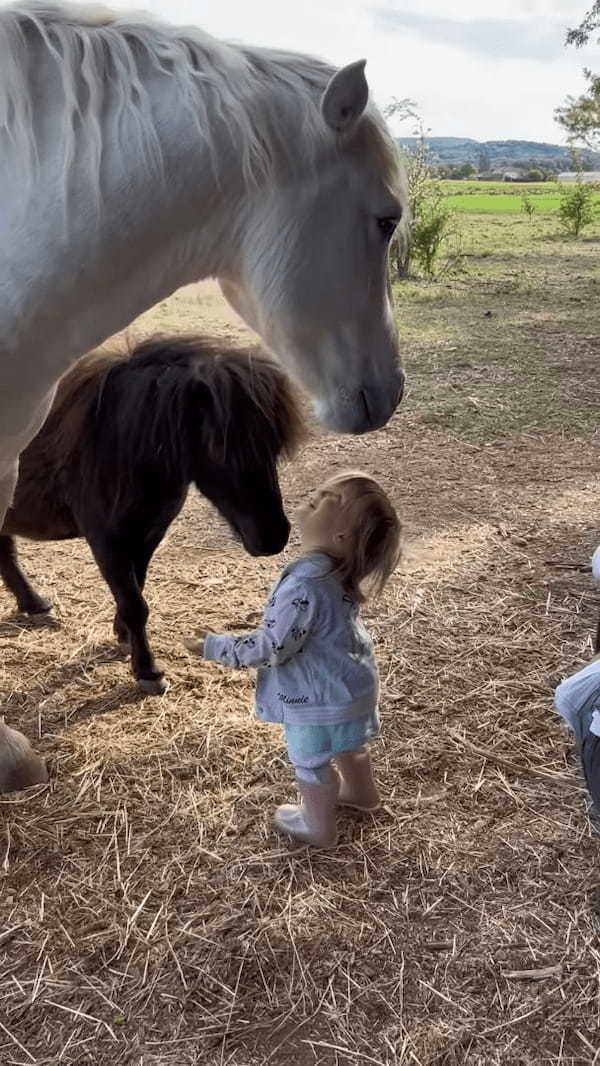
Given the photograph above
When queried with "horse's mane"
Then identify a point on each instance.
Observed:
(119, 412)
(259, 94)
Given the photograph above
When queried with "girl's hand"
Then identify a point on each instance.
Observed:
(196, 644)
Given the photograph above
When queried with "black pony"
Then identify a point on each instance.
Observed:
(125, 438)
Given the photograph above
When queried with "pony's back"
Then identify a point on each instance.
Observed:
(175, 396)
(77, 398)
(116, 416)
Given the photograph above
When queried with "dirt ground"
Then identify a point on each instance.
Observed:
(149, 916)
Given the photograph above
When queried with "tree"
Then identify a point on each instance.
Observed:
(430, 232)
(582, 33)
(455, 171)
(466, 171)
(417, 166)
(485, 161)
(576, 207)
(402, 110)
(580, 115)
(421, 238)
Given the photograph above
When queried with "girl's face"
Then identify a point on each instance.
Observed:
(321, 518)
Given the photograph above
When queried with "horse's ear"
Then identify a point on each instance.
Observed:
(345, 98)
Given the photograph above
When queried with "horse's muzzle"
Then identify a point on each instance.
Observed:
(365, 410)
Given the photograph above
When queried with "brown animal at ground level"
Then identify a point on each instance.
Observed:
(125, 438)
(20, 767)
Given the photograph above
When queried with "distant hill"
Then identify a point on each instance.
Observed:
(456, 150)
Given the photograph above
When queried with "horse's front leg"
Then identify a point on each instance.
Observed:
(119, 571)
(9, 474)
(20, 421)
(16, 582)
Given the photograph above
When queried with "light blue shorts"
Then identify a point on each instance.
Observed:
(312, 747)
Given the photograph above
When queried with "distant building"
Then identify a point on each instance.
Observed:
(502, 175)
(586, 175)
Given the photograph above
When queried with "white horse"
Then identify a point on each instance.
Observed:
(135, 158)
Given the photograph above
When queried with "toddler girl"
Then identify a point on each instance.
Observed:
(316, 669)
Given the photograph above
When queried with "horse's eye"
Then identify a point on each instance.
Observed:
(387, 226)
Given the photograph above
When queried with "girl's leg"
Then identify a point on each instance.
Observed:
(312, 821)
(357, 787)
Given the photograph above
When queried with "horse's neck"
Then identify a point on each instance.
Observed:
(96, 267)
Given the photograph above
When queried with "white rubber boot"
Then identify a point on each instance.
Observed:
(313, 820)
(357, 787)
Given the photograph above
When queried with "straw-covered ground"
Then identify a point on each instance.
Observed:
(148, 914)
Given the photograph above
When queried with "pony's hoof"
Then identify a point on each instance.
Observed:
(37, 607)
(153, 686)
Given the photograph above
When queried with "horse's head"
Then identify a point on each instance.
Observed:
(248, 418)
(309, 272)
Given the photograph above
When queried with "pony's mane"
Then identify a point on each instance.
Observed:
(168, 395)
(258, 94)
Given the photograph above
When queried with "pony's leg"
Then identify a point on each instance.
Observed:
(13, 577)
(140, 566)
(121, 632)
(118, 570)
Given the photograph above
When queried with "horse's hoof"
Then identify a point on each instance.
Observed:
(153, 686)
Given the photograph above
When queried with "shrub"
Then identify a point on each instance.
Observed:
(430, 230)
(421, 238)
(576, 208)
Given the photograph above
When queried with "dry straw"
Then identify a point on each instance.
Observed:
(149, 917)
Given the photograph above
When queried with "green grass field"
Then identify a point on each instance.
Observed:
(497, 197)
(498, 188)
(514, 317)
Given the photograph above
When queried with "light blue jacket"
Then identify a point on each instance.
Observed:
(314, 656)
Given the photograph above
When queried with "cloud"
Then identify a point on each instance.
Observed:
(531, 38)
(429, 56)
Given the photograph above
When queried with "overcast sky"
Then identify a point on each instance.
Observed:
(490, 77)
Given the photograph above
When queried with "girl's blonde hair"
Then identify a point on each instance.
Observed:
(373, 537)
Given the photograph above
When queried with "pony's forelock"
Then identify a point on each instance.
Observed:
(244, 382)
(238, 404)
